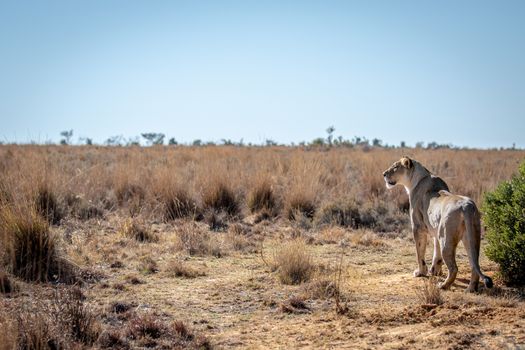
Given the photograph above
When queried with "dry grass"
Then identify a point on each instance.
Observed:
(178, 203)
(178, 268)
(263, 199)
(428, 292)
(47, 205)
(300, 204)
(31, 250)
(148, 265)
(194, 239)
(196, 204)
(133, 229)
(6, 284)
(294, 305)
(293, 262)
(179, 179)
(239, 238)
(366, 238)
(8, 334)
(321, 288)
(219, 196)
(148, 330)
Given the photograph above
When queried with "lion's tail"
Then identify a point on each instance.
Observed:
(473, 238)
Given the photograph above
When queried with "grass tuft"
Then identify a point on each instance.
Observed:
(31, 248)
(299, 204)
(179, 204)
(135, 230)
(293, 262)
(428, 292)
(220, 196)
(177, 268)
(146, 325)
(195, 240)
(47, 205)
(262, 199)
(6, 285)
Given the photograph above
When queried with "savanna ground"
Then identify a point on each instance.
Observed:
(234, 247)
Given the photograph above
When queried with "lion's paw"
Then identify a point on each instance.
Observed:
(435, 270)
(418, 273)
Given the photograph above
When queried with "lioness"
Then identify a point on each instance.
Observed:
(448, 217)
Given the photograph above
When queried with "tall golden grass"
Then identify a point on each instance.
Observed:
(174, 182)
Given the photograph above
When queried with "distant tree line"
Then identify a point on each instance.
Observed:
(330, 141)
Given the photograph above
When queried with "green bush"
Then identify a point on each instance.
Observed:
(504, 217)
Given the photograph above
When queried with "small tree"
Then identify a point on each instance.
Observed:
(86, 140)
(116, 140)
(67, 135)
(318, 142)
(504, 216)
(154, 138)
(330, 132)
(172, 142)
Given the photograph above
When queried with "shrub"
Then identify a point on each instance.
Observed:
(293, 262)
(504, 217)
(221, 197)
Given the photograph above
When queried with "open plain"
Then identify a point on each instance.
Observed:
(235, 247)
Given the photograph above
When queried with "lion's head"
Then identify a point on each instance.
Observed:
(398, 172)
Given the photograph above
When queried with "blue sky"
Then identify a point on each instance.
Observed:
(281, 70)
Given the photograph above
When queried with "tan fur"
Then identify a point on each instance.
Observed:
(449, 218)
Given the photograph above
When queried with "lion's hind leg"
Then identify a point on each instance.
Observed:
(474, 276)
(437, 259)
(448, 250)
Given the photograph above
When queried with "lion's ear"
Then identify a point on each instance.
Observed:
(407, 162)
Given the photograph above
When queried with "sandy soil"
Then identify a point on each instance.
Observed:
(238, 302)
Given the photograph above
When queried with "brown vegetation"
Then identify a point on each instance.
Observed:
(185, 247)
(293, 262)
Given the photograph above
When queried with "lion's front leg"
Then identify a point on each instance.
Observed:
(420, 238)
(437, 259)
